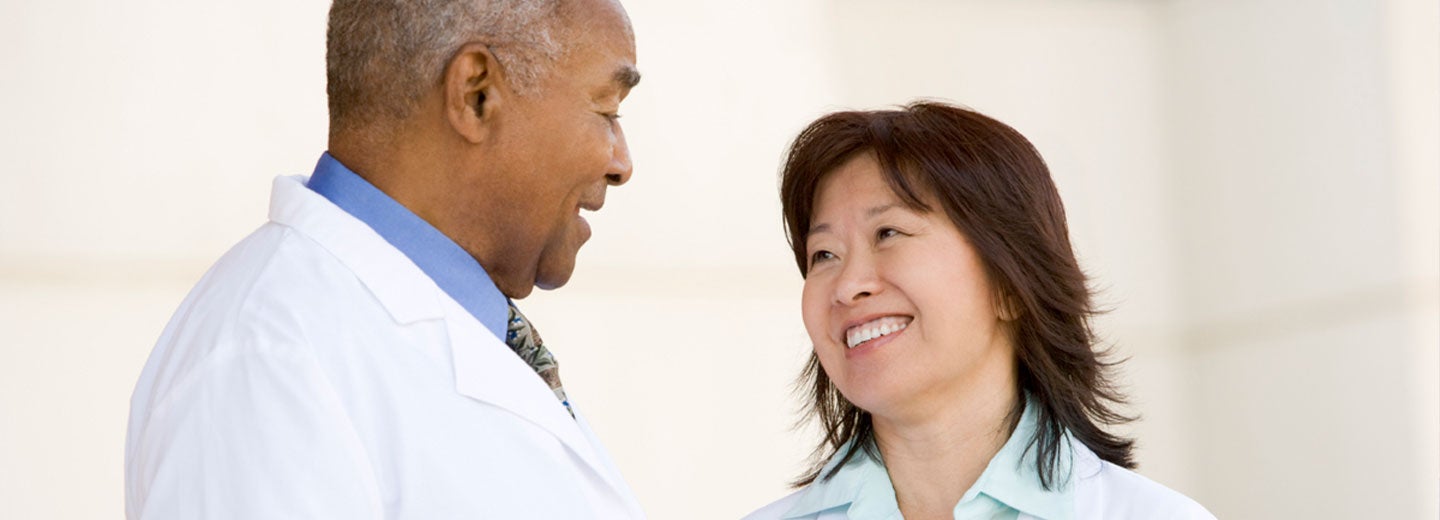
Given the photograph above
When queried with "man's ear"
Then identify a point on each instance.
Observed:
(472, 91)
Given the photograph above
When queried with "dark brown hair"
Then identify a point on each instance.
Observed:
(994, 186)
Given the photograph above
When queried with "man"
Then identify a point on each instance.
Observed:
(358, 356)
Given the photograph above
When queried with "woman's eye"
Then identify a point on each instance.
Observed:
(820, 256)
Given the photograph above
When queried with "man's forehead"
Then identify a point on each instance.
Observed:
(603, 18)
(606, 43)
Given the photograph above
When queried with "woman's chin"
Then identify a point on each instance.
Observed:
(879, 398)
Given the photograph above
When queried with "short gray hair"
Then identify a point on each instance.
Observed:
(382, 56)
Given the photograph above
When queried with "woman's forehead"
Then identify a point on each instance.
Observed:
(868, 189)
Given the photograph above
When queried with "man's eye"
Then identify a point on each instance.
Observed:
(884, 233)
(613, 116)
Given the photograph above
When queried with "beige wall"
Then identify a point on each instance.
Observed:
(1309, 286)
(1252, 184)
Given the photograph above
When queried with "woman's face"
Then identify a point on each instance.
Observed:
(896, 301)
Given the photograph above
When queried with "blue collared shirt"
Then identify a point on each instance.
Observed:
(1010, 485)
(450, 266)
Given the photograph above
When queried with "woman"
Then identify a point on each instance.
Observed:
(954, 371)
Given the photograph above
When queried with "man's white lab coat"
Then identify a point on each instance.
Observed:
(316, 372)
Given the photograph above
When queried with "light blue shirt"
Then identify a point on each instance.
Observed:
(1009, 486)
(450, 266)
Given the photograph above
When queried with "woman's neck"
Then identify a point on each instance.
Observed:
(935, 456)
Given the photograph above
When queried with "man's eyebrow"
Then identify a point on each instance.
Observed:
(626, 77)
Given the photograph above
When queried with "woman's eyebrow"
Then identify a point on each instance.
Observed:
(877, 210)
(869, 213)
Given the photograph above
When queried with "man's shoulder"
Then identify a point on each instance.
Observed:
(275, 294)
(275, 267)
(266, 291)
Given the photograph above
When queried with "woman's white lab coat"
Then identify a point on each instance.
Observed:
(316, 372)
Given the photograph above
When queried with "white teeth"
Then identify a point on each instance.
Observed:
(874, 329)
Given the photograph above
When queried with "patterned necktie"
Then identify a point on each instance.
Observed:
(525, 341)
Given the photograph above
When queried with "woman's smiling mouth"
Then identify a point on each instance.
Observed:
(876, 328)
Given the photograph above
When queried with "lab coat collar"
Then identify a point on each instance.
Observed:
(452, 268)
(485, 368)
(400, 286)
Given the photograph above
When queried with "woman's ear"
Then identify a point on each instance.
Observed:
(471, 91)
(1006, 308)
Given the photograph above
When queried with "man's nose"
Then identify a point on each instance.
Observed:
(858, 280)
(620, 167)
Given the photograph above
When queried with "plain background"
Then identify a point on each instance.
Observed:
(1252, 184)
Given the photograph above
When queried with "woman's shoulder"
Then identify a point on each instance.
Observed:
(1105, 490)
(1102, 490)
(776, 510)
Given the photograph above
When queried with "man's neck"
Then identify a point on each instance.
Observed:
(401, 169)
(934, 459)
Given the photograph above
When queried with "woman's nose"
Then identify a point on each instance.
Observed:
(858, 280)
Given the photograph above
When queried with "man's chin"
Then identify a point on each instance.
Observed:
(550, 286)
(555, 277)
(557, 262)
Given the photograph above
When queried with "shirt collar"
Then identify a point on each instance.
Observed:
(450, 266)
(1013, 479)
(863, 485)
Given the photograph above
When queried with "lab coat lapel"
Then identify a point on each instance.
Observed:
(487, 370)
